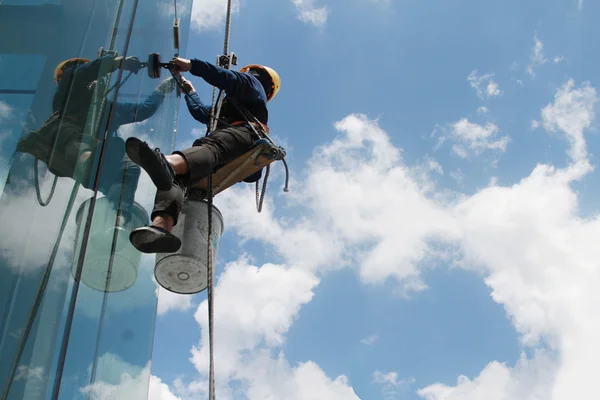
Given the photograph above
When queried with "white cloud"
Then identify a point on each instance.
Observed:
(398, 210)
(527, 381)
(535, 253)
(558, 59)
(538, 257)
(159, 390)
(490, 88)
(478, 138)
(459, 151)
(252, 305)
(211, 14)
(537, 56)
(493, 89)
(458, 176)
(309, 13)
(433, 165)
(390, 384)
(483, 110)
(572, 113)
(254, 308)
(169, 301)
(369, 340)
(390, 378)
(273, 378)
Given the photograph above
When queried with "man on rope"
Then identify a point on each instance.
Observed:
(68, 146)
(252, 87)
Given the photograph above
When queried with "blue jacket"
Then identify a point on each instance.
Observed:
(244, 87)
(75, 84)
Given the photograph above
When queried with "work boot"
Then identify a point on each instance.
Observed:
(152, 239)
(152, 161)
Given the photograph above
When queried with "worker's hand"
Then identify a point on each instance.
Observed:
(167, 86)
(187, 85)
(181, 64)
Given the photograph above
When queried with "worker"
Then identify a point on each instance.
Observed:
(65, 142)
(252, 87)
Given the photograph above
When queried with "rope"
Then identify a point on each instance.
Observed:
(211, 285)
(259, 201)
(38, 193)
(227, 28)
(209, 264)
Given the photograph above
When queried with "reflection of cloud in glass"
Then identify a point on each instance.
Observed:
(26, 372)
(141, 294)
(117, 379)
(29, 242)
(28, 245)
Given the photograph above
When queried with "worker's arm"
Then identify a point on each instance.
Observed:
(240, 85)
(200, 112)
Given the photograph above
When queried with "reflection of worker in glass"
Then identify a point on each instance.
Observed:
(67, 144)
(252, 87)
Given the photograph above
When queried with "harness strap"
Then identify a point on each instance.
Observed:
(255, 124)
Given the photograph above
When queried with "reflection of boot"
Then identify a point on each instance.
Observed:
(36, 145)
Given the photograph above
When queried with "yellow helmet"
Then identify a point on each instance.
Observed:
(275, 79)
(58, 71)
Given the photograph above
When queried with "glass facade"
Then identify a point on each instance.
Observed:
(77, 301)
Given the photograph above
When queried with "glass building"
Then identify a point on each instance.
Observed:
(77, 301)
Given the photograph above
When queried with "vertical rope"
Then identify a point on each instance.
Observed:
(210, 268)
(227, 28)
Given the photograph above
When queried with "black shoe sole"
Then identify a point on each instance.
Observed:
(141, 154)
(150, 241)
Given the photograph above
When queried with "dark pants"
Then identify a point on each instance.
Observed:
(220, 148)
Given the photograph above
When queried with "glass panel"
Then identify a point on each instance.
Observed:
(123, 309)
(70, 220)
(36, 252)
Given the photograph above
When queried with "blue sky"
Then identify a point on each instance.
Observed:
(437, 242)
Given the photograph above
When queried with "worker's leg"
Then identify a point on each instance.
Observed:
(157, 237)
(194, 163)
(190, 166)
